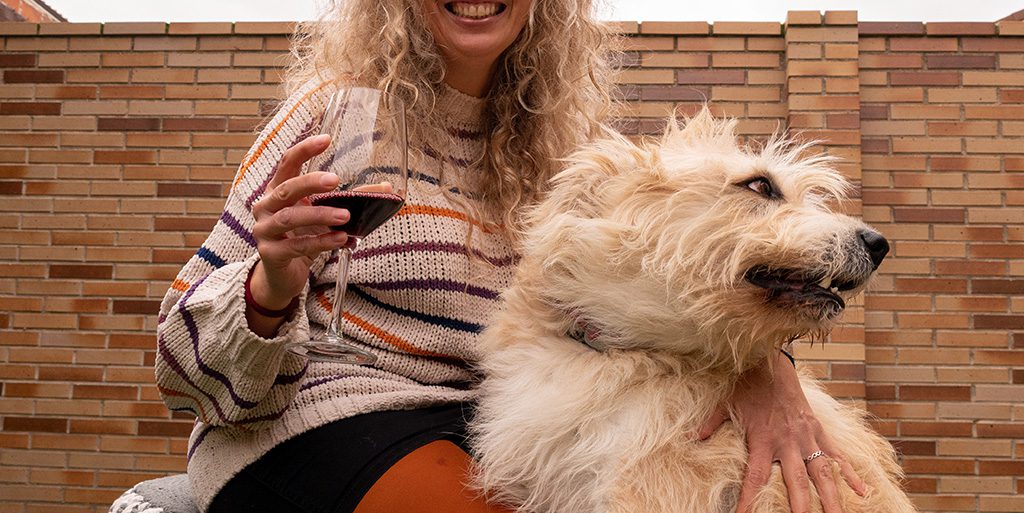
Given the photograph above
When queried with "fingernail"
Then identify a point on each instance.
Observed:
(329, 180)
(342, 215)
(322, 139)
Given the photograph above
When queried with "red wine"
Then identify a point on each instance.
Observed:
(368, 210)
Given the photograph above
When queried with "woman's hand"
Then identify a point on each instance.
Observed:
(780, 426)
(290, 232)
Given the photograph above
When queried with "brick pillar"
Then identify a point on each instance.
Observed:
(823, 96)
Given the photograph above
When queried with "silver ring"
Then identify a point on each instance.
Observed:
(815, 454)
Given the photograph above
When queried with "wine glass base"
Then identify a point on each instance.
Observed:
(333, 352)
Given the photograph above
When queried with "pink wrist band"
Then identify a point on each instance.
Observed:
(266, 312)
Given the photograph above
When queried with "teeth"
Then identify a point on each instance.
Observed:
(475, 11)
(826, 282)
(834, 290)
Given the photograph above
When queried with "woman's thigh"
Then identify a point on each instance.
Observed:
(431, 479)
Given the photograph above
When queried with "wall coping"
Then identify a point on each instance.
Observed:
(675, 28)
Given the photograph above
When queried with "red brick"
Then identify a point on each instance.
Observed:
(195, 124)
(1011, 286)
(164, 428)
(127, 124)
(189, 189)
(33, 76)
(929, 215)
(961, 61)
(919, 428)
(885, 28)
(105, 392)
(938, 466)
(934, 393)
(930, 285)
(914, 447)
(128, 306)
(35, 424)
(124, 157)
(1001, 430)
(999, 322)
(30, 108)
(711, 77)
(81, 271)
(924, 78)
(17, 60)
(961, 29)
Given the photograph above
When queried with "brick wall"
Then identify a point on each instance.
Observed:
(117, 142)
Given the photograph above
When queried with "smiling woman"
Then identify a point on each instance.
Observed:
(497, 93)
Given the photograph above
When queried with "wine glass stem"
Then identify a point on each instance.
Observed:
(340, 286)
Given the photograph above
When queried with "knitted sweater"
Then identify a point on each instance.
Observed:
(415, 300)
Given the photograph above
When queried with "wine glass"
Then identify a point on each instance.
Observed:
(369, 152)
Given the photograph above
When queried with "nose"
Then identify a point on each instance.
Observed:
(876, 245)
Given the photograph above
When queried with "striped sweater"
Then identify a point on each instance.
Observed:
(415, 300)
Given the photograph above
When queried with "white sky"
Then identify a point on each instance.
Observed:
(633, 10)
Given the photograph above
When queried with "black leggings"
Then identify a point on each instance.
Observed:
(330, 468)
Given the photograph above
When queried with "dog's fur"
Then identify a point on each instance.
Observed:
(656, 247)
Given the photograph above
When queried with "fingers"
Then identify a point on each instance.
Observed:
(291, 162)
(309, 246)
(820, 472)
(849, 474)
(293, 190)
(759, 466)
(278, 224)
(798, 485)
(384, 187)
(714, 422)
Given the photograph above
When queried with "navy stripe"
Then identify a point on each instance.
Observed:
(210, 257)
(446, 322)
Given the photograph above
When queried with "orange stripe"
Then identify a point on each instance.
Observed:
(179, 285)
(273, 133)
(441, 212)
(389, 338)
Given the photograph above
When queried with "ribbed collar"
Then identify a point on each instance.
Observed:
(455, 107)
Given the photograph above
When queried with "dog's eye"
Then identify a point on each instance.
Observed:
(762, 186)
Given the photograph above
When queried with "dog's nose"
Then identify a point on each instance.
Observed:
(877, 246)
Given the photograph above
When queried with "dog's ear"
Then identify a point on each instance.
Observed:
(581, 189)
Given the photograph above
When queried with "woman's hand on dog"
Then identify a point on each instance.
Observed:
(780, 426)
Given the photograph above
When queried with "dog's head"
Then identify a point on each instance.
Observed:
(697, 245)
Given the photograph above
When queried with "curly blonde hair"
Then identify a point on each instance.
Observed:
(550, 91)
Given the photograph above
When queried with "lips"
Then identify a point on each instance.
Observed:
(797, 287)
(475, 10)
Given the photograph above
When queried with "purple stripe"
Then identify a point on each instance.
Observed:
(432, 284)
(176, 366)
(443, 247)
(317, 382)
(173, 363)
(434, 154)
(461, 133)
(237, 227)
(199, 440)
(288, 379)
(193, 332)
(303, 135)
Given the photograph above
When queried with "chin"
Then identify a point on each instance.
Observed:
(474, 29)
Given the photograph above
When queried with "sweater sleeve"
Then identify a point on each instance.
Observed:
(208, 360)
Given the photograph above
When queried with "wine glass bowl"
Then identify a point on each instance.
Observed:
(369, 153)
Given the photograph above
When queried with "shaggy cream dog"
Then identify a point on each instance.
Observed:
(683, 263)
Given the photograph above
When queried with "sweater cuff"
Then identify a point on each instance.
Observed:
(259, 357)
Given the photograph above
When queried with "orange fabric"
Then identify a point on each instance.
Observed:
(428, 480)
